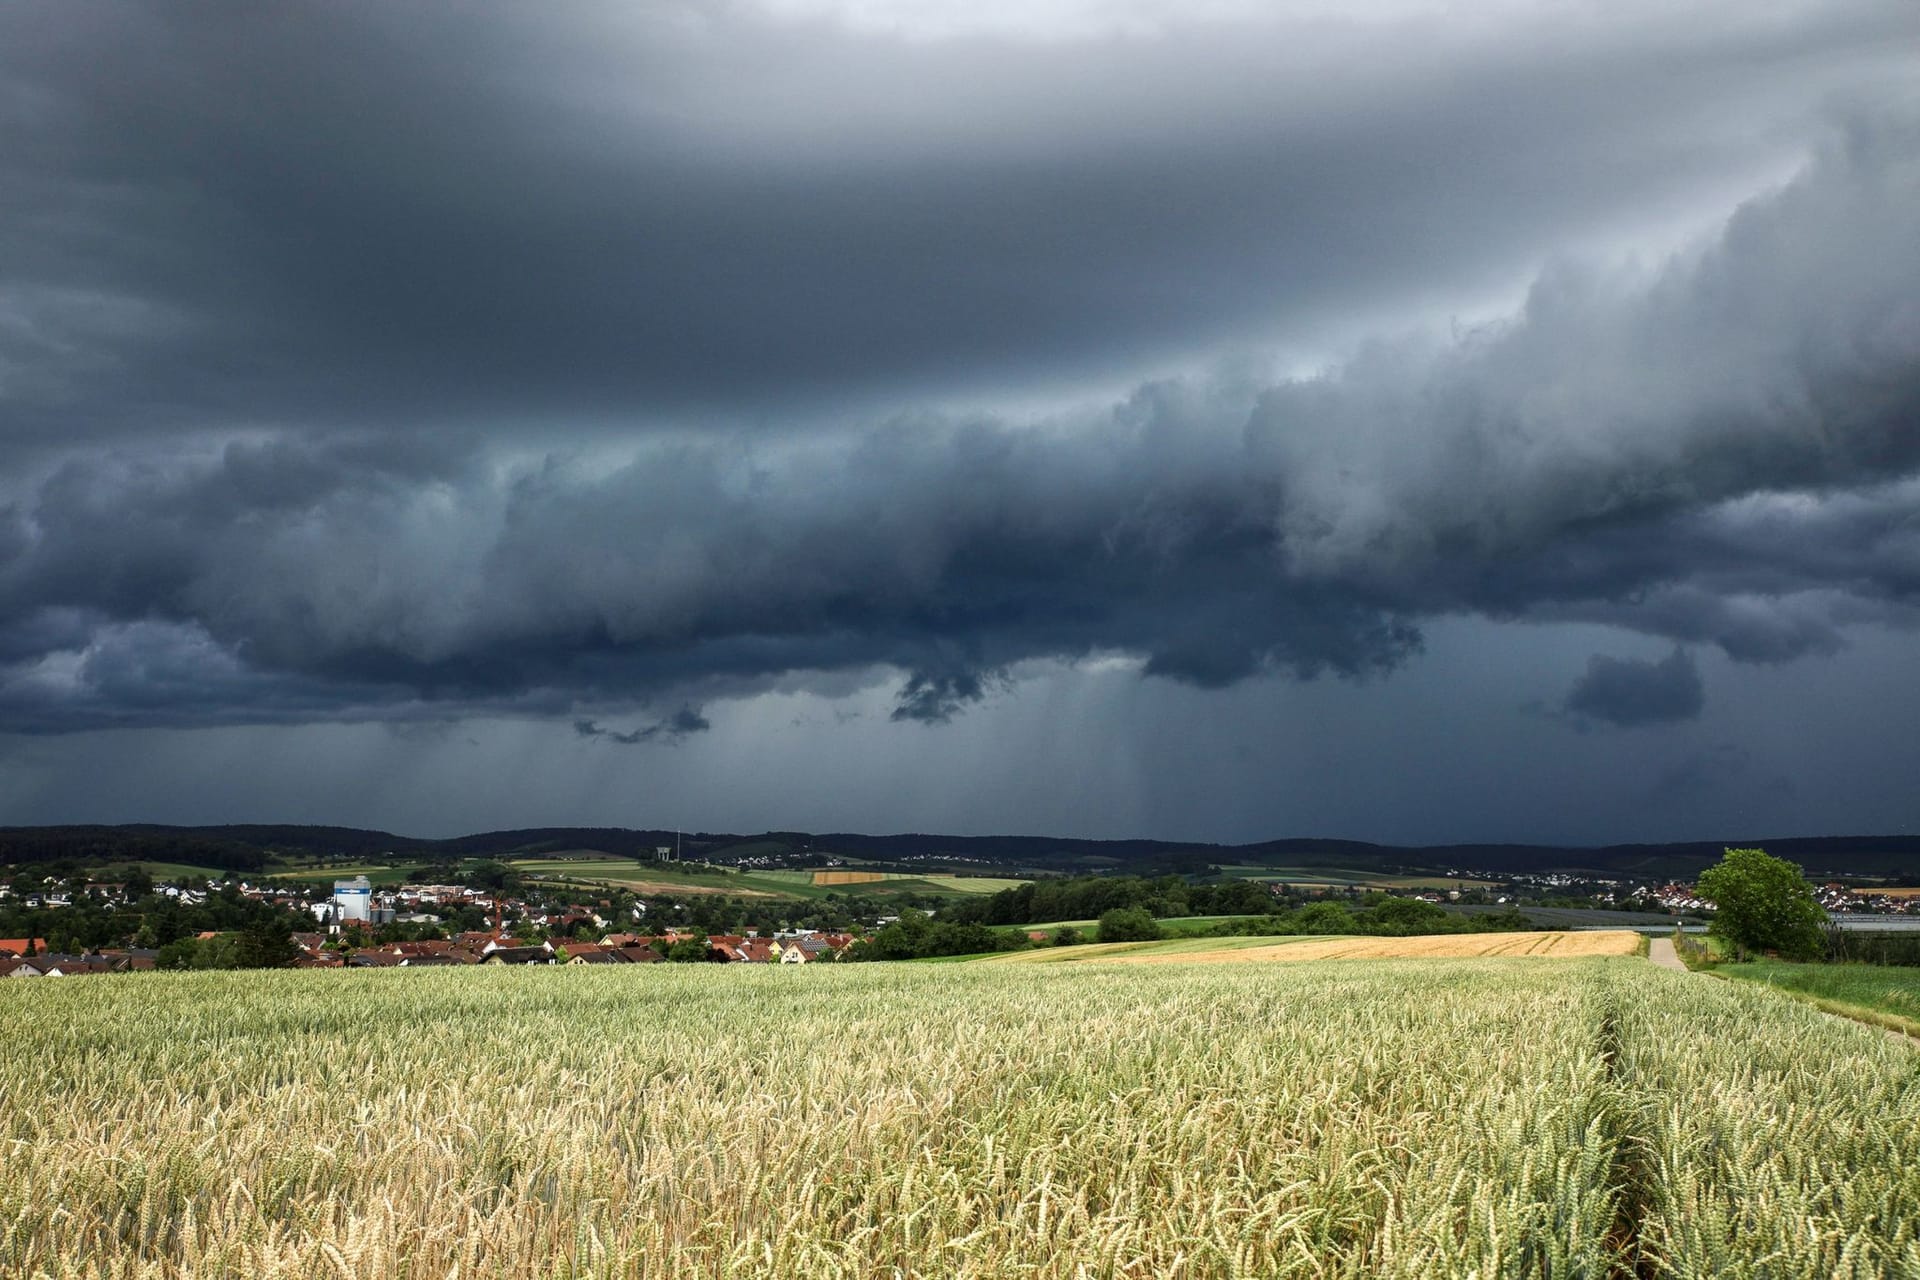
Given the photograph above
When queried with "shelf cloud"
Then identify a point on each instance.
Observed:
(362, 364)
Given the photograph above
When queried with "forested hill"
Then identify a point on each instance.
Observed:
(250, 847)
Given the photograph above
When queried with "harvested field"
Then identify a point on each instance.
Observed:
(678, 889)
(1448, 946)
(848, 877)
(974, 884)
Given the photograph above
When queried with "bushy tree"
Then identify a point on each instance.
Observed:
(1763, 903)
(1409, 917)
(1325, 917)
(688, 951)
(1128, 924)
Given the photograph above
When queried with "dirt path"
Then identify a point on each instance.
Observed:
(1661, 952)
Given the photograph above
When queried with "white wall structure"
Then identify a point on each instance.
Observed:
(352, 899)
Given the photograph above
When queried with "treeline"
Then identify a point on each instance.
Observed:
(914, 936)
(69, 849)
(1089, 897)
(1377, 915)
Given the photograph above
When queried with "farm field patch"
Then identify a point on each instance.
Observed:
(1446, 946)
(1173, 924)
(164, 871)
(376, 872)
(974, 884)
(1204, 947)
(947, 883)
(1329, 877)
(653, 879)
(632, 876)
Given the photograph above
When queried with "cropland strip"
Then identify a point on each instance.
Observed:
(991, 1123)
(1448, 946)
(624, 874)
(1171, 947)
(1397, 1119)
(975, 884)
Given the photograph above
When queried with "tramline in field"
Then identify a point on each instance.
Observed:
(1507, 1117)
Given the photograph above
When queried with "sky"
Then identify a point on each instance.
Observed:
(1398, 421)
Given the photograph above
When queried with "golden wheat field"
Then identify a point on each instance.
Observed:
(1451, 946)
(1402, 1119)
(848, 877)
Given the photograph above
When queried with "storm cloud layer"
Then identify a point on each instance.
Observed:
(358, 363)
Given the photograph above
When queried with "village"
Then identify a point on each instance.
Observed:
(404, 926)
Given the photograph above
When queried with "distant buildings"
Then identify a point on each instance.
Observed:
(353, 900)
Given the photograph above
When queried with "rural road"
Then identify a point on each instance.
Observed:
(1661, 952)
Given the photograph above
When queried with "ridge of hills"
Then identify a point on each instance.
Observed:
(246, 847)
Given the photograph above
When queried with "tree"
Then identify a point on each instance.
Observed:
(1128, 924)
(1408, 917)
(1325, 917)
(1763, 903)
(266, 944)
(688, 951)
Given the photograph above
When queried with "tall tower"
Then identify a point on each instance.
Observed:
(353, 900)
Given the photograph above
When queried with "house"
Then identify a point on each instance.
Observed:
(13, 967)
(23, 946)
(599, 955)
(640, 955)
(567, 951)
(497, 944)
(75, 966)
(373, 960)
(805, 950)
(760, 951)
(430, 947)
(518, 955)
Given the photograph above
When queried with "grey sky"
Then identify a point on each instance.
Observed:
(997, 391)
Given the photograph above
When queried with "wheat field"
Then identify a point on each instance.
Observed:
(1448, 946)
(1406, 1118)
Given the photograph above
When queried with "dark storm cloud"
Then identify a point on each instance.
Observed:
(313, 354)
(352, 212)
(1630, 693)
(671, 729)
